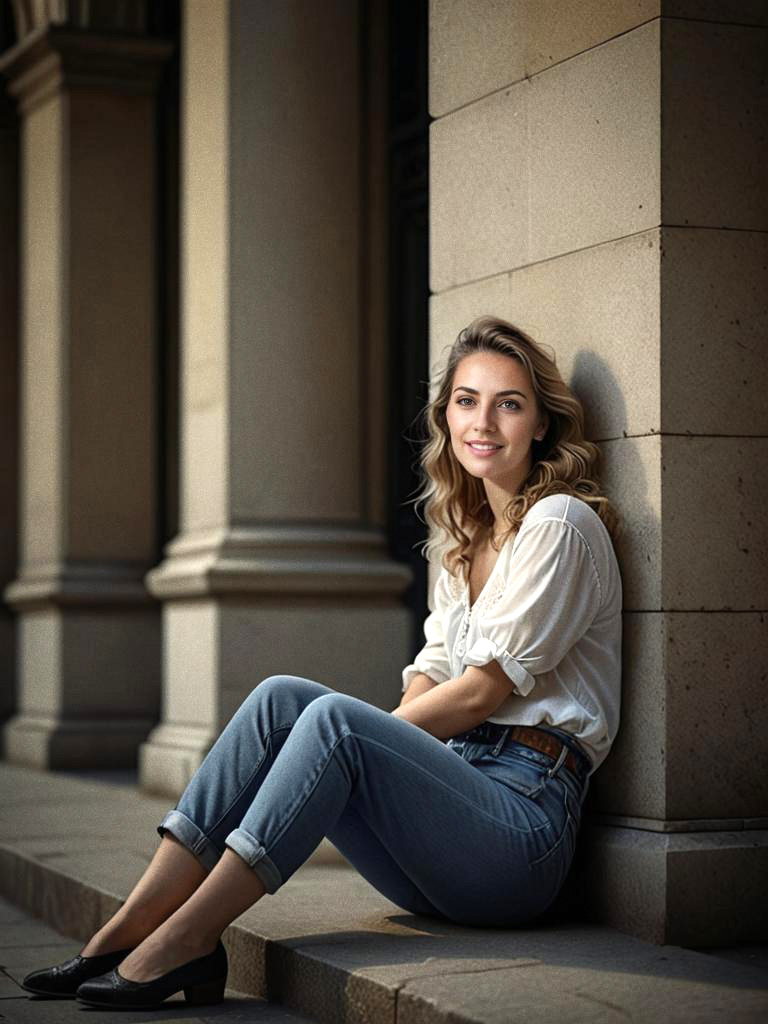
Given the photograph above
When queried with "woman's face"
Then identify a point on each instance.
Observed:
(476, 411)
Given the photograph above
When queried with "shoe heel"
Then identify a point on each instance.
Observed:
(205, 993)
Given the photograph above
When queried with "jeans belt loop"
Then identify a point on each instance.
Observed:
(555, 768)
(500, 744)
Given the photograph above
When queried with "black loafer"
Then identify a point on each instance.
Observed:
(61, 981)
(203, 980)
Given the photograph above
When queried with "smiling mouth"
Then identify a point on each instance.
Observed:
(483, 447)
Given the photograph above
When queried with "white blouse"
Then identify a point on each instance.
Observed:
(550, 614)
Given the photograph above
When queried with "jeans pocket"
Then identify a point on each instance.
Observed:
(518, 771)
(524, 777)
(556, 844)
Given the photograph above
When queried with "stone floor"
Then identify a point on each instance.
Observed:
(327, 944)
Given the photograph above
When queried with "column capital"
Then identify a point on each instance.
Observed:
(53, 57)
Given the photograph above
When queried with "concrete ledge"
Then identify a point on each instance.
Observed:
(329, 945)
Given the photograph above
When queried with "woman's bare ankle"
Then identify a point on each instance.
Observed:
(116, 934)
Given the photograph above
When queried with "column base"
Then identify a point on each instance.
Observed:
(88, 656)
(218, 650)
(78, 744)
(672, 888)
(171, 756)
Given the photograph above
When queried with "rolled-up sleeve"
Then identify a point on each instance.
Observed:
(433, 658)
(551, 598)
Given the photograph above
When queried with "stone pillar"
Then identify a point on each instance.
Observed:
(280, 565)
(598, 178)
(88, 633)
(9, 403)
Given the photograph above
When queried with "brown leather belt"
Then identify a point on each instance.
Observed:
(547, 744)
(532, 736)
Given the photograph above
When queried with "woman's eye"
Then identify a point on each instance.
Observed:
(507, 401)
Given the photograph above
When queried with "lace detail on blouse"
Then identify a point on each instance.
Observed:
(492, 592)
(489, 594)
(456, 587)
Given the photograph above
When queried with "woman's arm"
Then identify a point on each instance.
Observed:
(420, 683)
(448, 709)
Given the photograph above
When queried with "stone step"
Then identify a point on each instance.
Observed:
(28, 943)
(329, 946)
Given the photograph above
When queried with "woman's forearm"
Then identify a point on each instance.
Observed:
(420, 683)
(446, 709)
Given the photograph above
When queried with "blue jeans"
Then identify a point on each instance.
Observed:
(475, 832)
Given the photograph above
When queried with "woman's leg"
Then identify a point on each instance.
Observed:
(363, 845)
(234, 767)
(425, 826)
(464, 843)
(170, 879)
(212, 804)
(194, 928)
(474, 848)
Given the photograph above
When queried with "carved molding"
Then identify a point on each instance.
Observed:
(289, 560)
(264, 561)
(99, 15)
(51, 58)
(77, 583)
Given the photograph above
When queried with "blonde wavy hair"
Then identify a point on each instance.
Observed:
(563, 462)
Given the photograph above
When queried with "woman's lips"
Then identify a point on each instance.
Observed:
(482, 452)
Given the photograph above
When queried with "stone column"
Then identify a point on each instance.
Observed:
(614, 205)
(88, 633)
(281, 563)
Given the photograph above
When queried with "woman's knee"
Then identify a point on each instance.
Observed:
(278, 682)
(271, 683)
(279, 686)
(340, 708)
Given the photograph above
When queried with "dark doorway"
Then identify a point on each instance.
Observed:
(409, 287)
(10, 382)
(166, 22)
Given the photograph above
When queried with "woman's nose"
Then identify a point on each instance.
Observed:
(484, 418)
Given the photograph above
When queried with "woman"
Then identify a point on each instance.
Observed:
(519, 677)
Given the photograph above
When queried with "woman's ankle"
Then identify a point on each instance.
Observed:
(116, 935)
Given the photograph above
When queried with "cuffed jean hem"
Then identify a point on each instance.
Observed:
(187, 832)
(255, 856)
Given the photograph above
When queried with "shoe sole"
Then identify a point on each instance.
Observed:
(142, 1006)
(121, 1006)
(48, 995)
